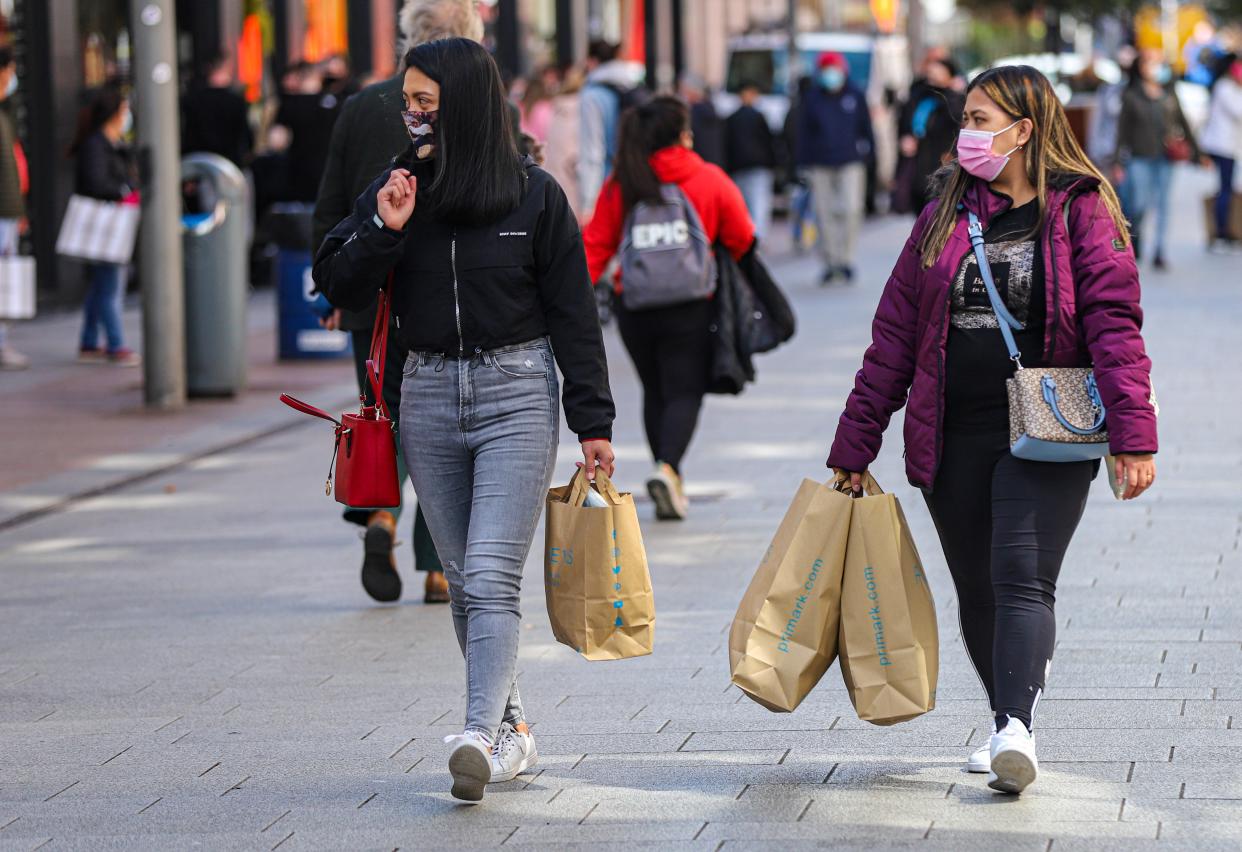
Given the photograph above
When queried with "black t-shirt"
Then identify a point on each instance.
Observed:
(977, 362)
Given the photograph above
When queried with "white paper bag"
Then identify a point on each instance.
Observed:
(98, 230)
(17, 287)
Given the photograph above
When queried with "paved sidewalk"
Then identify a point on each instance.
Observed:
(190, 662)
(68, 429)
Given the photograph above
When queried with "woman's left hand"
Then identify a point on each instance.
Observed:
(597, 453)
(1136, 471)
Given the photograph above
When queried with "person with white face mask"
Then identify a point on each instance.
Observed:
(1023, 202)
(834, 141)
(105, 171)
(12, 192)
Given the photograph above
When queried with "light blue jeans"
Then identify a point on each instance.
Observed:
(480, 437)
(10, 233)
(756, 187)
(1148, 182)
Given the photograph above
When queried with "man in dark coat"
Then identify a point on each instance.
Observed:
(215, 118)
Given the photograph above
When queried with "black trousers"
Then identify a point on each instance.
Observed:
(425, 557)
(1005, 525)
(671, 349)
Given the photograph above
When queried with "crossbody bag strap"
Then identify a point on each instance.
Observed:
(1004, 319)
(376, 361)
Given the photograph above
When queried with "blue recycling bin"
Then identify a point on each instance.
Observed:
(300, 308)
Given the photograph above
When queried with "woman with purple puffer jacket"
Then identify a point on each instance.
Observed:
(1060, 256)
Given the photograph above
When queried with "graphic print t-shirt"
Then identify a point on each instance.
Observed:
(977, 363)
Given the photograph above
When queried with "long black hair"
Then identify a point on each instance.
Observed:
(91, 118)
(645, 129)
(478, 171)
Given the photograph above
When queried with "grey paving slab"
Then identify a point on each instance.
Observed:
(191, 660)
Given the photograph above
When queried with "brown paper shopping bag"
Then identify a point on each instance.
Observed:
(596, 580)
(784, 636)
(889, 645)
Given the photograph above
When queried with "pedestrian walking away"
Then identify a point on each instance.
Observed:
(750, 152)
(490, 285)
(1152, 135)
(105, 171)
(1055, 242)
(929, 124)
(368, 135)
(612, 85)
(1222, 141)
(670, 343)
(834, 142)
(12, 193)
(215, 118)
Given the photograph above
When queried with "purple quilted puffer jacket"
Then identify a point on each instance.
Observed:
(1093, 318)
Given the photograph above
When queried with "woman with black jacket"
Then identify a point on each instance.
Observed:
(105, 171)
(489, 285)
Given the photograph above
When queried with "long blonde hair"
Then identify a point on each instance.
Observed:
(1022, 92)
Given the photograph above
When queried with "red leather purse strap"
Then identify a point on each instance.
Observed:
(379, 347)
(307, 408)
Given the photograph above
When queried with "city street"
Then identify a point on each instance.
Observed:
(189, 661)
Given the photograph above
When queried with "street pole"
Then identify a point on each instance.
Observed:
(156, 112)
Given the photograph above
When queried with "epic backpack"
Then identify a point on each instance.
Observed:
(666, 258)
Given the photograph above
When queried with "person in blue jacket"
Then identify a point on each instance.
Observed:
(834, 141)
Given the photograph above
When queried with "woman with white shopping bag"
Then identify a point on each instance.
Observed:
(105, 172)
(1012, 321)
(490, 288)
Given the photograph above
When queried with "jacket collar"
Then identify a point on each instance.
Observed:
(987, 203)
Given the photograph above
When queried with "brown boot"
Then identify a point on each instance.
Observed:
(379, 565)
(437, 588)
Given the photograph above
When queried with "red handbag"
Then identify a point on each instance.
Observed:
(365, 451)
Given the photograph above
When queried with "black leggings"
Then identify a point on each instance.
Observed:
(1005, 525)
(671, 349)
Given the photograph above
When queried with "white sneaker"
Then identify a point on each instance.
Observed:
(1014, 766)
(470, 764)
(513, 754)
(668, 493)
(11, 359)
(980, 760)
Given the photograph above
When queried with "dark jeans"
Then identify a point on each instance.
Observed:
(672, 352)
(1224, 198)
(1005, 525)
(106, 288)
(425, 558)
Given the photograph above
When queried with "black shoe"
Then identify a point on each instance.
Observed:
(1158, 263)
(379, 568)
(826, 279)
(847, 273)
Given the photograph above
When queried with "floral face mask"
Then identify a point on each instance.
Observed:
(422, 129)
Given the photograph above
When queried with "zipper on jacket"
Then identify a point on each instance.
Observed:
(461, 341)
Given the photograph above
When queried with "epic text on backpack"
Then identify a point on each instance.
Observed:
(666, 258)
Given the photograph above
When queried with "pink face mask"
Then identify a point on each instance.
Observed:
(975, 155)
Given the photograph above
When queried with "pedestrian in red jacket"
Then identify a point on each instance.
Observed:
(1058, 249)
(670, 345)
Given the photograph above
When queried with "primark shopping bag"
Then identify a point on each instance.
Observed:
(889, 646)
(784, 636)
(595, 578)
(17, 287)
(101, 231)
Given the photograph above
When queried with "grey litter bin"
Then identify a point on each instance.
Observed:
(215, 231)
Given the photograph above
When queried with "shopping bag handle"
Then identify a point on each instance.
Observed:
(870, 487)
(579, 485)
